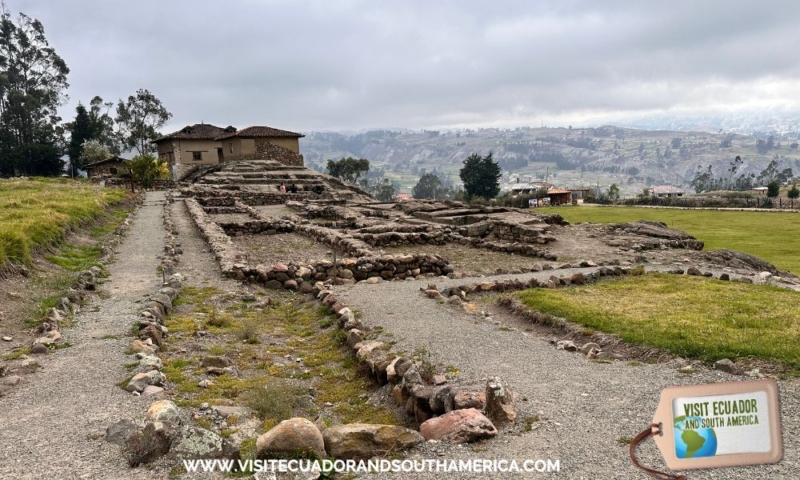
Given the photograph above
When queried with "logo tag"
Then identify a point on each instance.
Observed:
(719, 425)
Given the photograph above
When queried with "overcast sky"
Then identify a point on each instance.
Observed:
(335, 65)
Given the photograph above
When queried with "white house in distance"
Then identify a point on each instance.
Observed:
(665, 191)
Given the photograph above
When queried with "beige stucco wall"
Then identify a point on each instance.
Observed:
(236, 147)
(207, 149)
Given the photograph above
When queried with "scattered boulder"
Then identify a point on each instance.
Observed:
(49, 338)
(499, 403)
(694, 271)
(727, 365)
(588, 347)
(163, 411)
(466, 399)
(119, 432)
(196, 442)
(141, 380)
(397, 368)
(139, 346)
(38, 349)
(149, 362)
(149, 443)
(567, 345)
(151, 390)
(354, 337)
(27, 366)
(216, 361)
(458, 426)
(153, 334)
(360, 441)
(290, 437)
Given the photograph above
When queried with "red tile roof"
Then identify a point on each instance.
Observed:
(259, 132)
(557, 191)
(198, 131)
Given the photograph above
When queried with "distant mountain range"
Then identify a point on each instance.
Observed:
(631, 158)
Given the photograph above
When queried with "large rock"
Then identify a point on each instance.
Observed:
(142, 380)
(120, 431)
(149, 362)
(163, 411)
(499, 403)
(216, 361)
(361, 441)
(196, 442)
(458, 426)
(466, 399)
(148, 444)
(154, 334)
(290, 437)
(139, 346)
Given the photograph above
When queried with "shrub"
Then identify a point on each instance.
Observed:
(276, 401)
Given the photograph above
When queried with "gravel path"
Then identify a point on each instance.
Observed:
(588, 406)
(48, 423)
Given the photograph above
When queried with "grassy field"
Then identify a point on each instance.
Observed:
(767, 235)
(37, 211)
(688, 316)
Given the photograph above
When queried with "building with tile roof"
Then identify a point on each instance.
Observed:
(206, 145)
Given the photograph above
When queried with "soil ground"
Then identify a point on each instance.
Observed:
(469, 260)
(282, 248)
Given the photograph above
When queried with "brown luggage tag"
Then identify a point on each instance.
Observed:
(715, 425)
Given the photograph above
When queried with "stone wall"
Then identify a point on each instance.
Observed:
(268, 151)
(226, 198)
(348, 270)
(226, 253)
(269, 227)
(233, 262)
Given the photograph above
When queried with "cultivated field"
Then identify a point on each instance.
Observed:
(37, 212)
(767, 235)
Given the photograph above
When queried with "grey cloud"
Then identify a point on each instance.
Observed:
(355, 64)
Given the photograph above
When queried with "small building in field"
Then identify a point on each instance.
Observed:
(665, 191)
(404, 197)
(760, 190)
(528, 188)
(579, 194)
(112, 166)
(558, 196)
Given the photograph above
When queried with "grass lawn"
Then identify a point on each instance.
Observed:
(767, 235)
(37, 211)
(687, 316)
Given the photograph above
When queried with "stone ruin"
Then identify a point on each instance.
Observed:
(236, 201)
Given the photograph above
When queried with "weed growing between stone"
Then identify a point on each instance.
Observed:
(286, 356)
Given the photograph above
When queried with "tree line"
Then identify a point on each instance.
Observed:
(33, 84)
(772, 176)
(480, 174)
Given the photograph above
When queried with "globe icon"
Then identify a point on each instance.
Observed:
(694, 442)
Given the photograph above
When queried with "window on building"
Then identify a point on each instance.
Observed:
(112, 170)
(197, 155)
(230, 147)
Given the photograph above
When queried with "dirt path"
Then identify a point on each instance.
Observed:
(47, 424)
(588, 406)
